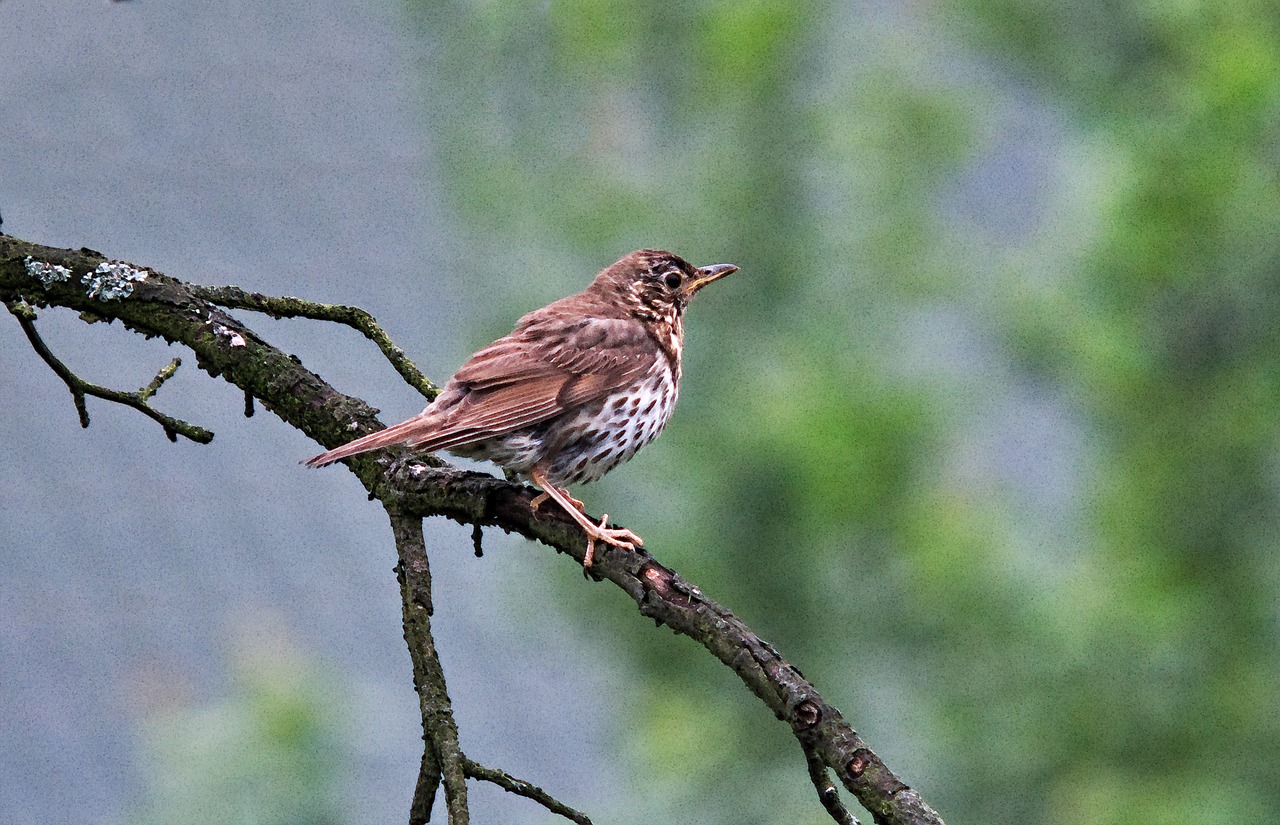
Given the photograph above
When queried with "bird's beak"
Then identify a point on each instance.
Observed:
(707, 274)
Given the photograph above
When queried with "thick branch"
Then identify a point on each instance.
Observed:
(661, 594)
(420, 487)
(157, 305)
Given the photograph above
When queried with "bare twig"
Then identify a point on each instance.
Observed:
(438, 725)
(442, 757)
(519, 787)
(424, 792)
(140, 400)
(234, 297)
(827, 793)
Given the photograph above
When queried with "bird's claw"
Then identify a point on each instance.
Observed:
(617, 536)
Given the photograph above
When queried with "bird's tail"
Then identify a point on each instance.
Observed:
(399, 434)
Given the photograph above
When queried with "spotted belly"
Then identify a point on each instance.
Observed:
(600, 437)
(581, 446)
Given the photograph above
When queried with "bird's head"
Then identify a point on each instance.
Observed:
(652, 283)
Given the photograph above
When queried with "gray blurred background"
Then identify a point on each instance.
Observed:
(148, 588)
(983, 435)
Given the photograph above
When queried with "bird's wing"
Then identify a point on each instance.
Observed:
(540, 371)
(546, 366)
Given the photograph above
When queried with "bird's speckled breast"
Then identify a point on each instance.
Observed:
(585, 444)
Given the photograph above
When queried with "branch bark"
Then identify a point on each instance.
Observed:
(442, 760)
(80, 388)
(413, 487)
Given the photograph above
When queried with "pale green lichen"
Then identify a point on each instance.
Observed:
(112, 280)
(46, 273)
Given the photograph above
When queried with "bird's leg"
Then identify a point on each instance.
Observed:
(541, 499)
(618, 537)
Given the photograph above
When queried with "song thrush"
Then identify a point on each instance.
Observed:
(575, 390)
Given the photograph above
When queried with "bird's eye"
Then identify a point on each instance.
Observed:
(672, 280)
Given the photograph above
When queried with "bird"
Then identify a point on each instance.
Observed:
(577, 388)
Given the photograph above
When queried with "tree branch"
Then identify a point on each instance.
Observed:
(443, 757)
(424, 792)
(519, 787)
(664, 596)
(415, 487)
(233, 297)
(140, 400)
(157, 305)
(827, 793)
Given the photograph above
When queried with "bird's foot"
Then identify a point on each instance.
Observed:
(617, 536)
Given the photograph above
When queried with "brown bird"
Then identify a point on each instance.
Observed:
(573, 391)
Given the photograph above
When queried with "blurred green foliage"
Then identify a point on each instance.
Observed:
(984, 434)
(272, 752)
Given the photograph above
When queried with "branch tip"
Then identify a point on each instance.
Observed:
(519, 787)
(166, 372)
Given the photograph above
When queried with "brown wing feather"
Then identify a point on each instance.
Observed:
(548, 365)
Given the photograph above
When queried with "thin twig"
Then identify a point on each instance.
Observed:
(234, 297)
(424, 792)
(519, 787)
(827, 793)
(444, 757)
(166, 372)
(140, 400)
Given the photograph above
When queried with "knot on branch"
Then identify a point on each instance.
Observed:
(806, 715)
(666, 585)
(858, 764)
